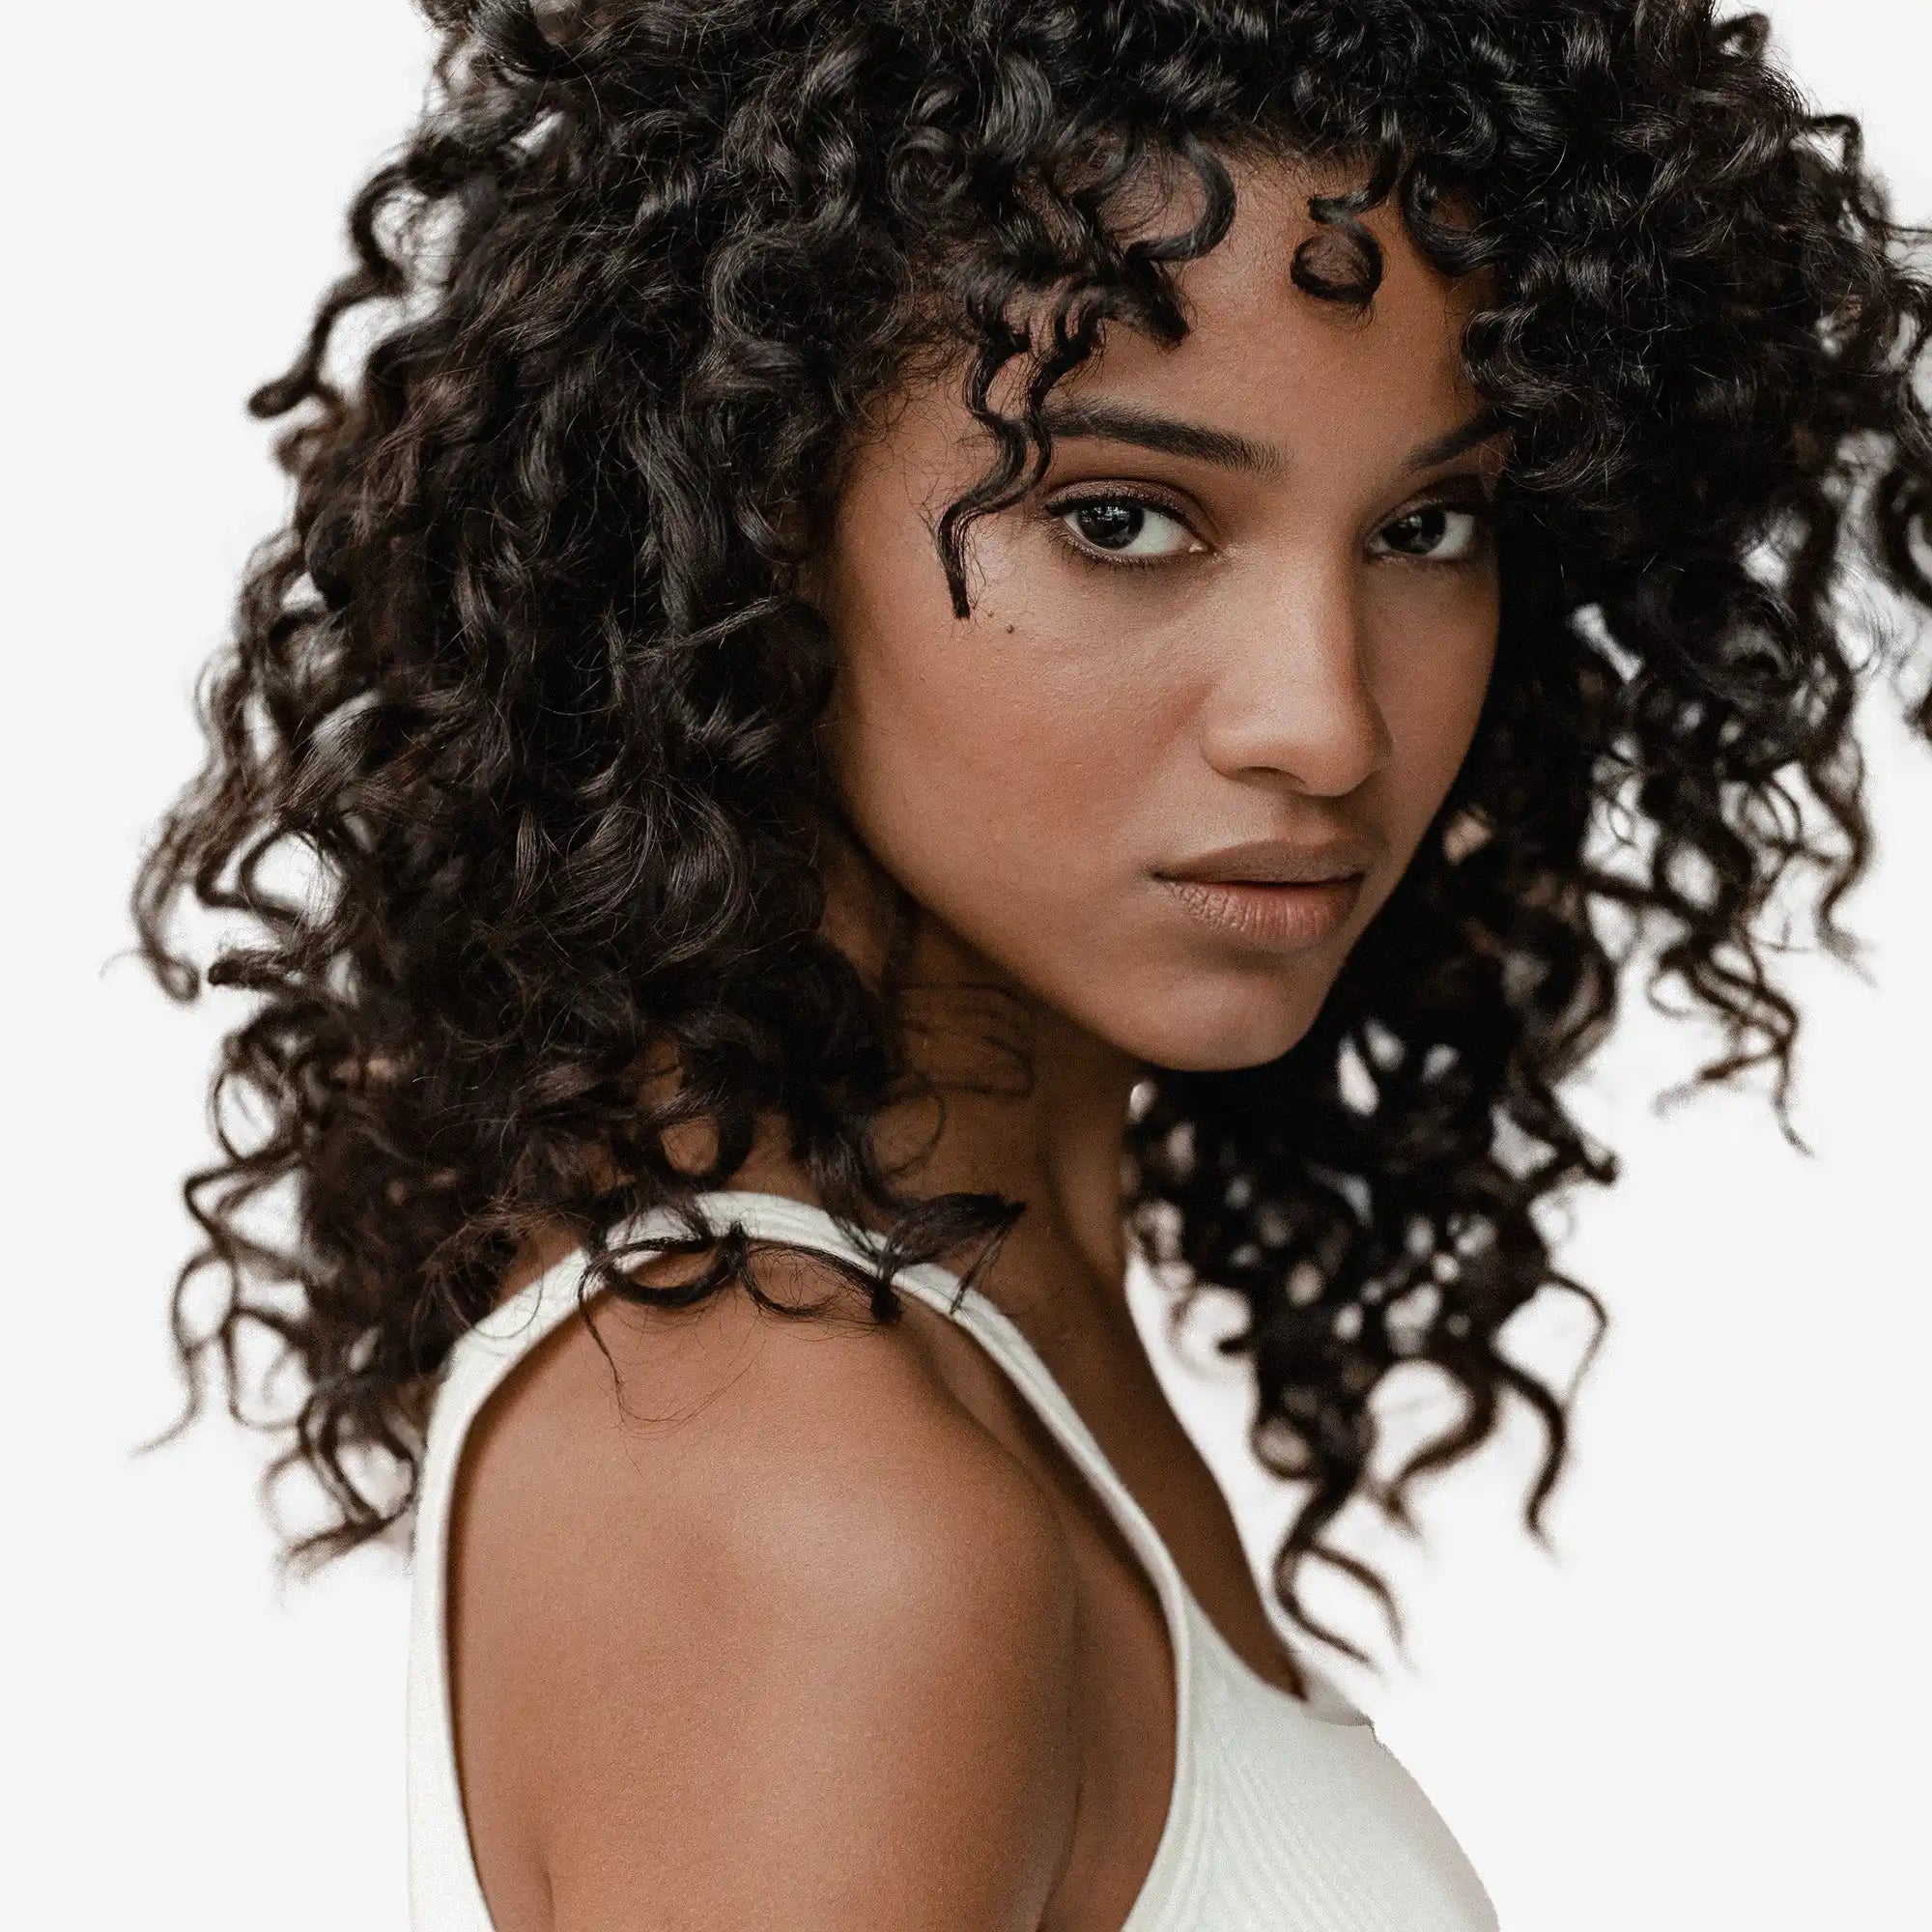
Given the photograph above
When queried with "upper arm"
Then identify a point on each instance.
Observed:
(800, 1656)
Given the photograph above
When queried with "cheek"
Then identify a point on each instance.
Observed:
(1433, 654)
(991, 761)
(990, 770)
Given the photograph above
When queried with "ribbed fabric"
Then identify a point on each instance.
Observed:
(1285, 1816)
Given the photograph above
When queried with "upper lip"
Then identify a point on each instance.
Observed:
(1278, 861)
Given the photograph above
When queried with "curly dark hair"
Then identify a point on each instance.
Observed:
(524, 695)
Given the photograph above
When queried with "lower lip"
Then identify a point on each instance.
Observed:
(1276, 917)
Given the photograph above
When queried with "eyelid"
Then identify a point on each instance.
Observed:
(1465, 491)
(1072, 495)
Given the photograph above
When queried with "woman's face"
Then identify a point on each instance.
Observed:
(1246, 604)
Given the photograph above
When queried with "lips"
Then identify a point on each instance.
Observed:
(1269, 917)
(1275, 862)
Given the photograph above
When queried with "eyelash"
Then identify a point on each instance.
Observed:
(1469, 502)
(1055, 513)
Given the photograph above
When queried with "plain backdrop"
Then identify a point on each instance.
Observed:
(1706, 1708)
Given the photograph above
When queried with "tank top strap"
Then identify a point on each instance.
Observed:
(445, 1891)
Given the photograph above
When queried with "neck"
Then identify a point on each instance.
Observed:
(1029, 1105)
(1038, 1119)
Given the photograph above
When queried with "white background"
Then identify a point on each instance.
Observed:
(1709, 1708)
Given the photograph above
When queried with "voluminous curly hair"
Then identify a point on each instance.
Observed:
(523, 690)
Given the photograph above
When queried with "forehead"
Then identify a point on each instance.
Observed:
(1256, 341)
(1344, 393)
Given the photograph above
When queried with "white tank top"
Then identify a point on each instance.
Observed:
(1284, 1815)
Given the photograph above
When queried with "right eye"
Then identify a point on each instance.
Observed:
(1126, 529)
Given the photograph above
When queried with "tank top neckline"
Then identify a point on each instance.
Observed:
(539, 1305)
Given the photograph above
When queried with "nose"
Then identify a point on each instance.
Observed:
(1290, 697)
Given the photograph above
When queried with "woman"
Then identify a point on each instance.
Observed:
(991, 634)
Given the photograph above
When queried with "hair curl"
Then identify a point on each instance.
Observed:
(523, 686)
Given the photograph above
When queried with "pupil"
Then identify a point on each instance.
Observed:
(1422, 529)
(1110, 525)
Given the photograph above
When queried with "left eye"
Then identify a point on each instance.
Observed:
(1126, 526)
(1436, 532)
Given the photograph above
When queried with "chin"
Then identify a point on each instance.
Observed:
(1220, 1029)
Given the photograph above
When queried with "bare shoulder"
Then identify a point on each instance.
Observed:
(752, 1623)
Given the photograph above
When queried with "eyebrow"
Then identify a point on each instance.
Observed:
(1120, 422)
(1486, 423)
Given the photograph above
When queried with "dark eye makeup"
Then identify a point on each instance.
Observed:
(1095, 526)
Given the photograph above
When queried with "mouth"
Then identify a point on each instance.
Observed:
(1271, 915)
(1273, 894)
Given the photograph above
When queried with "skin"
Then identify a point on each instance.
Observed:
(1303, 654)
